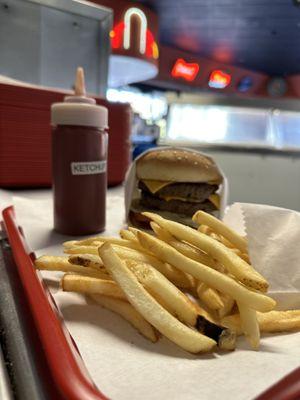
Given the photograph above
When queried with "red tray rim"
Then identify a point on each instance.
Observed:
(66, 365)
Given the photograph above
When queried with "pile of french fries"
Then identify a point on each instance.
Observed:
(195, 287)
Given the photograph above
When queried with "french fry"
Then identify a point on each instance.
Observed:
(177, 277)
(209, 328)
(209, 296)
(249, 324)
(150, 309)
(226, 242)
(184, 248)
(125, 310)
(133, 230)
(89, 285)
(173, 274)
(127, 235)
(204, 229)
(99, 240)
(233, 263)
(160, 300)
(271, 322)
(211, 277)
(70, 243)
(227, 340)
(53, 263)
(96, 243)
(228, 304)
(87, 260)
(90, 240)
(175, 300)
(84, 249)
(220, 228)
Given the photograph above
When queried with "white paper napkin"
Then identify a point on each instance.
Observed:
(274, 247)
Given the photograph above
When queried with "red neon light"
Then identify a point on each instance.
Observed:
(185, 70)
(219, 79)
(116, 35)
(116, 38)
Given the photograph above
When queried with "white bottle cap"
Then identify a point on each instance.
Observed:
(79, 109)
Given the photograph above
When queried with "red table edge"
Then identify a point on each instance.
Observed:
(67, 368)
(69, 372)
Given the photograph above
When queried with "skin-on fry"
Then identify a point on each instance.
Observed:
(53, 263)
(175, 300)
(249, 325)
(233, 263)
(211, 277)
(89, 285)
(271, 322)
(125, 310)
(209, 296)
(219, 227)
(149, 308)
(87, 260)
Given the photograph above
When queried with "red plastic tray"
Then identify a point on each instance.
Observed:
(68, 371)
(67, 368)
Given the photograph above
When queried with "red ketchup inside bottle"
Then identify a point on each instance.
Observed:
(79, 161)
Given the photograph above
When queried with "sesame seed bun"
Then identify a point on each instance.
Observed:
(177, 165)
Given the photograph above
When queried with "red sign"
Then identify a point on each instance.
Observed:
(185, 70)
(219, 79)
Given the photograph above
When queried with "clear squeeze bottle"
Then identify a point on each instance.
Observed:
(79, 159)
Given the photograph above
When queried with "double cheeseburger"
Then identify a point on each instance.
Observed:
(175, 184)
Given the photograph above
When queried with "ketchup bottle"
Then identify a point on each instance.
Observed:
(79, 159)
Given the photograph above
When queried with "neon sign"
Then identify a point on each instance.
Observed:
(121, 34)
(219, 79)
(185, 70)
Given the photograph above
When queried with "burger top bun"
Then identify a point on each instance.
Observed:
(178, 166)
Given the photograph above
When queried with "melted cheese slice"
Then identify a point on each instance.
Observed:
(215, 199)
(155, 186)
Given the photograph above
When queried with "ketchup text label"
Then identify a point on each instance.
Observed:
(88, 168)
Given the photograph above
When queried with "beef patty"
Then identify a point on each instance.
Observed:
(185, 208)
(190, 191)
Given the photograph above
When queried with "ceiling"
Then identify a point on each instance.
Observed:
(262, 35)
